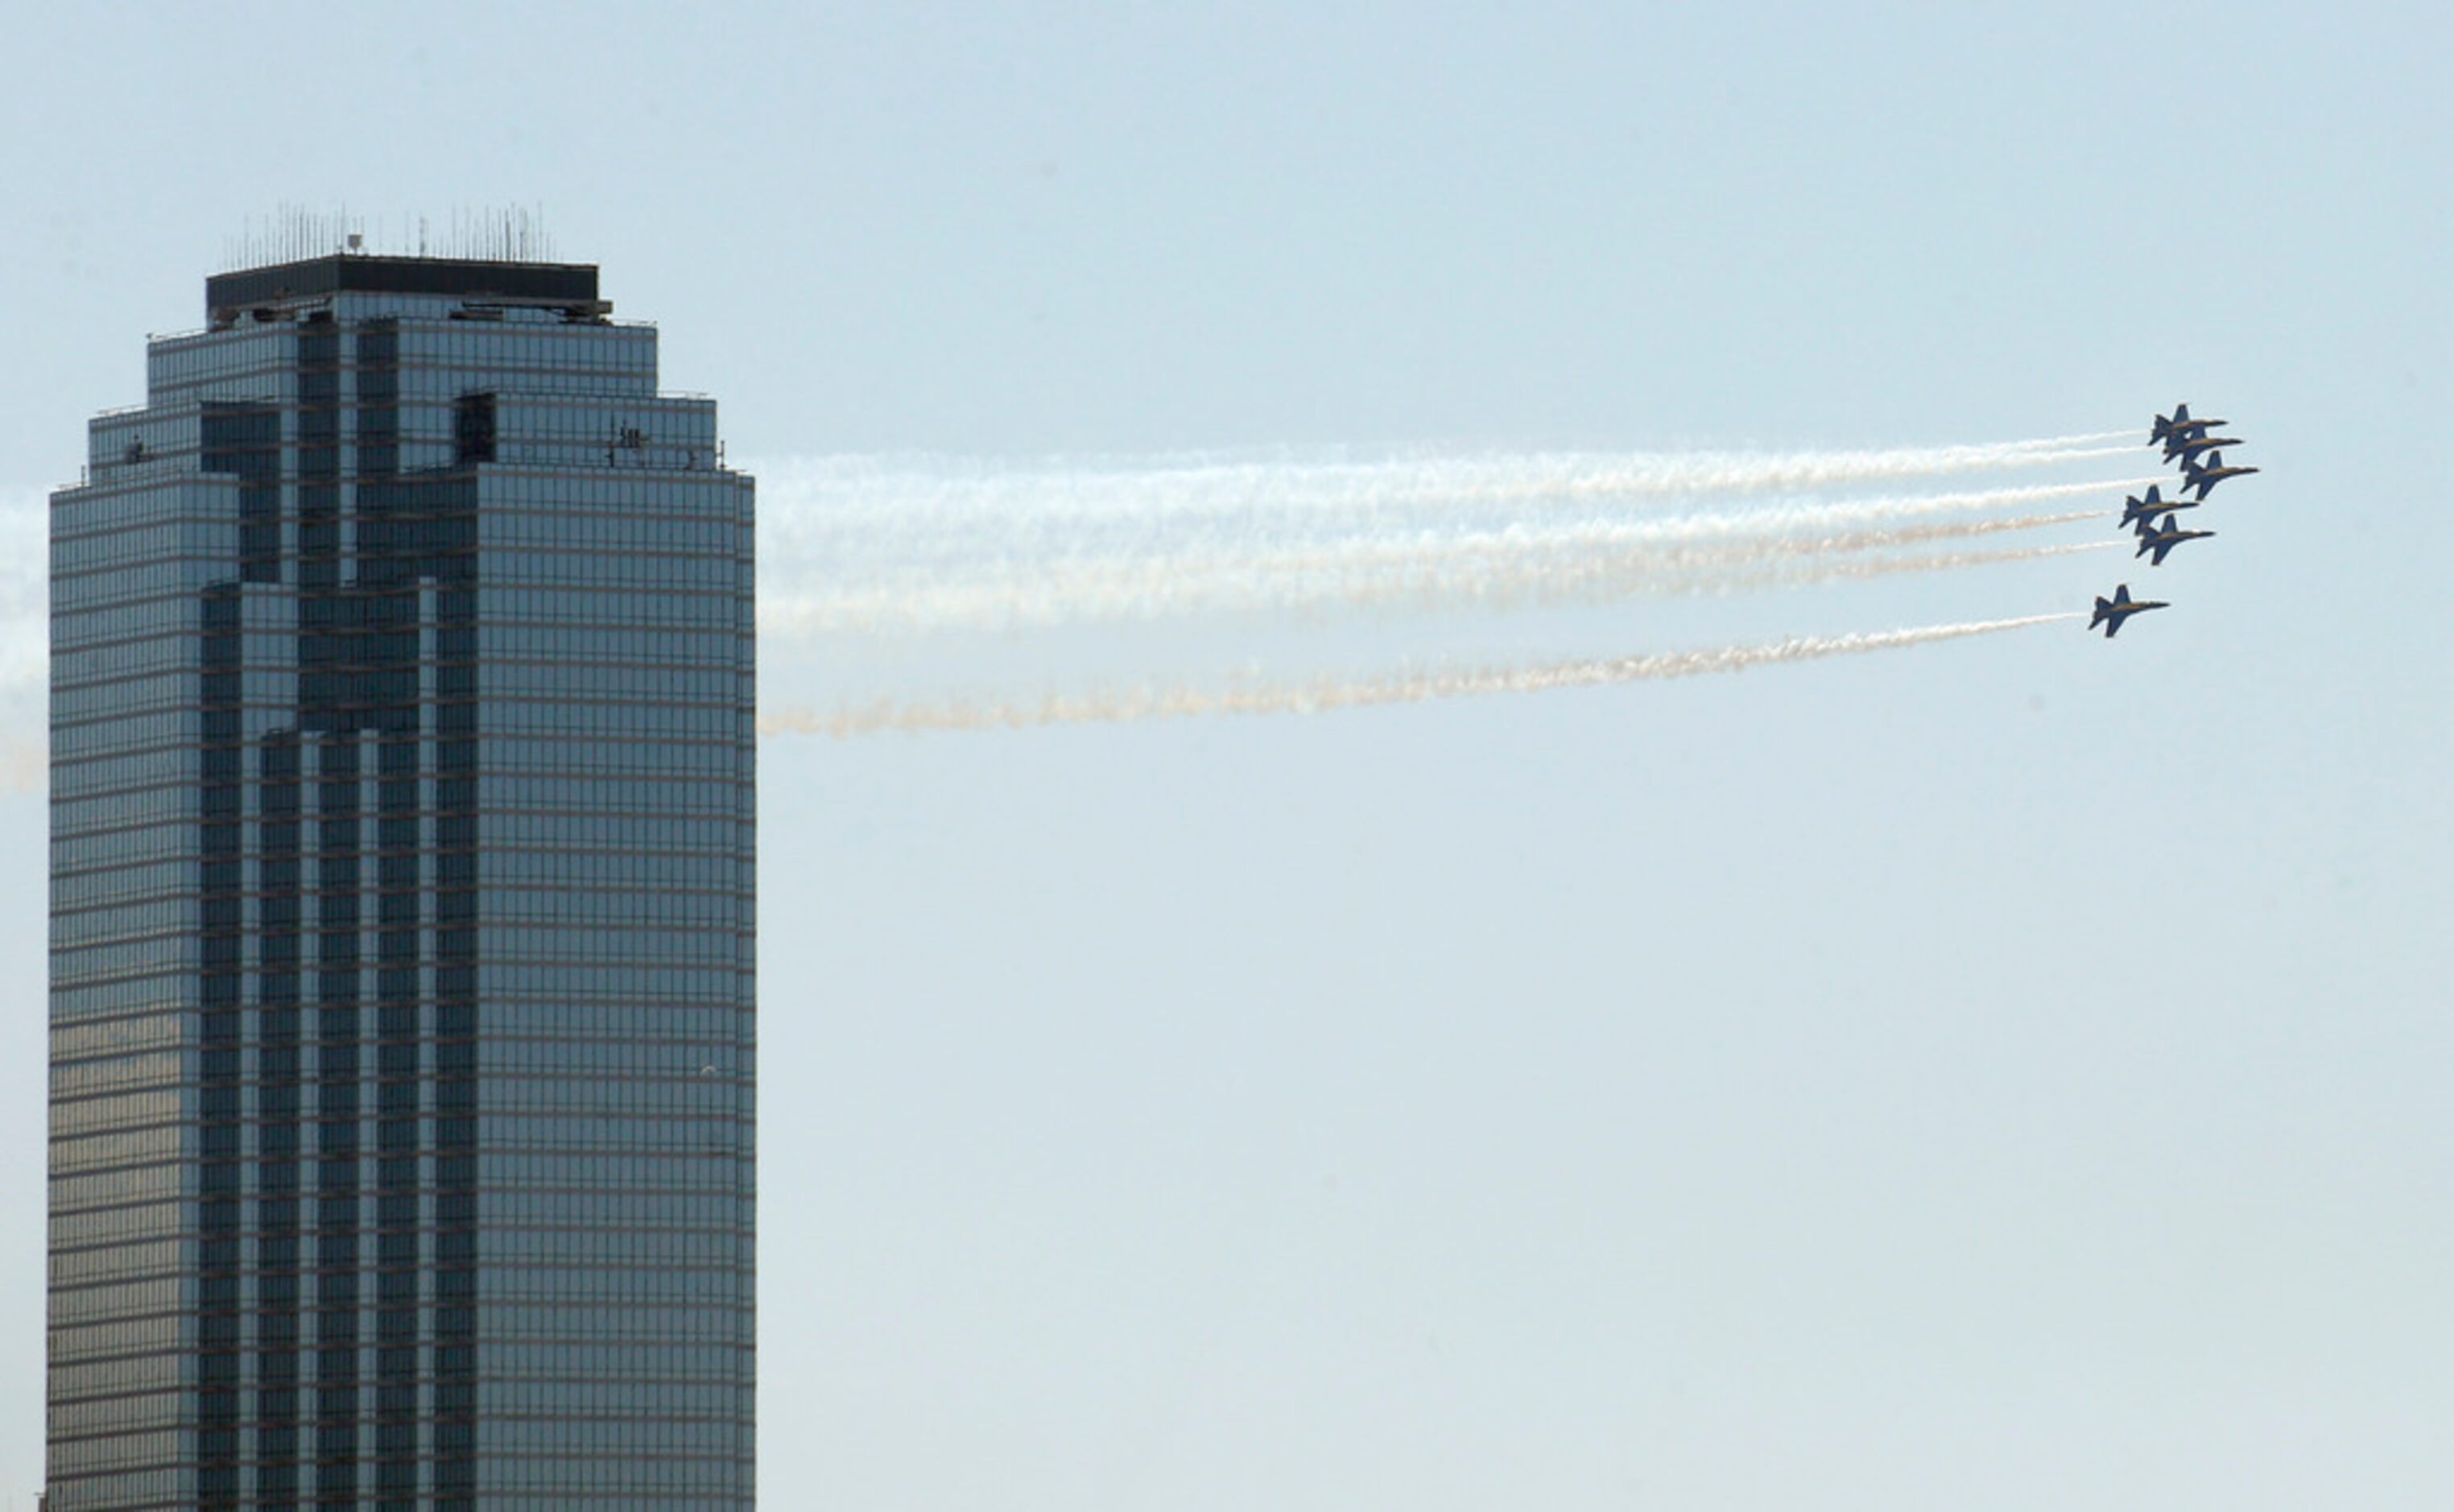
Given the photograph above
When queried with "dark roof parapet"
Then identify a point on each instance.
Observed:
(515, 283)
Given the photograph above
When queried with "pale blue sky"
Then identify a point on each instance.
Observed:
(2009, 1074)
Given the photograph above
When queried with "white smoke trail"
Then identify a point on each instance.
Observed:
(25, 765)
(1327, 694)
(1427, 567)
(1142, 591)
(1849, 570)
(900, 493)
(991, 538)
(1781, 564)
(25, 635)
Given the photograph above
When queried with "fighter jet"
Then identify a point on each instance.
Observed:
(2165, 538)
(2205, 475)
(2142, 511)
(2178, 423)
(2188, 447)
(2110, 613)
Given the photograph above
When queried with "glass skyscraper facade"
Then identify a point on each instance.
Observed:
(402, 984)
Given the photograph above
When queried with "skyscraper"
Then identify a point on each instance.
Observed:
(402, 1008)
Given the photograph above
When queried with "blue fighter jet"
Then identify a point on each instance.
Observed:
(2110, 613)
(2205, 475)
(2178, 423)
(2142, 511)
(2165, 538)
(2188, 448)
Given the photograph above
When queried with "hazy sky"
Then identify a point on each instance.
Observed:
(2006, 1073)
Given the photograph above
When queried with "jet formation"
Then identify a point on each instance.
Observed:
(2193, 443)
